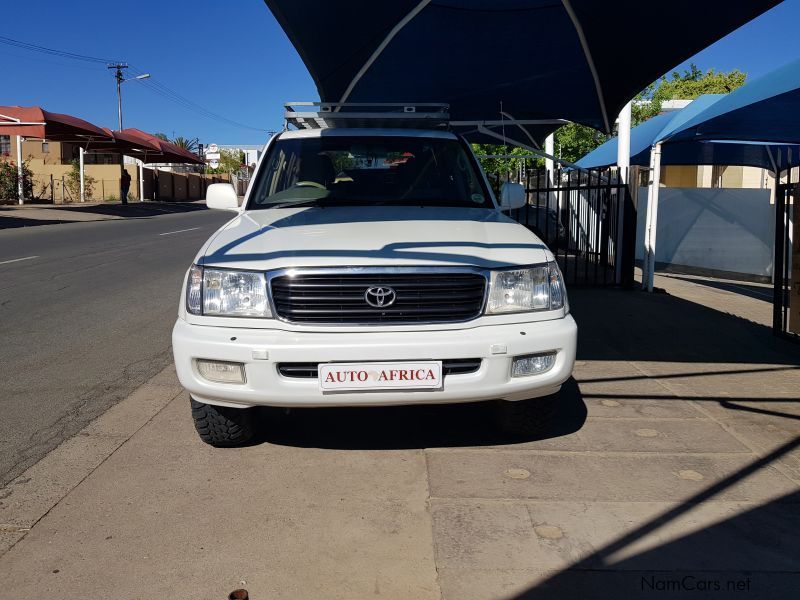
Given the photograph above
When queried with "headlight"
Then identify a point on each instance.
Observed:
(525, 290)
(223, 293)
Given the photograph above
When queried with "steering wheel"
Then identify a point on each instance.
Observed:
(310, 184)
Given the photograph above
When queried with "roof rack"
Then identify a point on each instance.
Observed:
(329, 115)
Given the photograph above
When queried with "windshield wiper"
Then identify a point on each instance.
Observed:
(292, 203)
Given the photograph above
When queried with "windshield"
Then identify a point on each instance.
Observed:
(368, 170)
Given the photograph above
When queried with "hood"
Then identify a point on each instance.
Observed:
(372, 236)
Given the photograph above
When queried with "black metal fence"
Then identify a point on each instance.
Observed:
(785, 313)
(588, 220)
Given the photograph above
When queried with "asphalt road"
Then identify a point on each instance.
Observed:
(86, 313)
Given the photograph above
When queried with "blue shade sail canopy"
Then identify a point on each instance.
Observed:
(694, 151)
(766, 109)
(580, 60)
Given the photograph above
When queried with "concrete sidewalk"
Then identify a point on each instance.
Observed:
(674, 467)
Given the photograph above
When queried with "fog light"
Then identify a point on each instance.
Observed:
(220, 371)
(533, 364)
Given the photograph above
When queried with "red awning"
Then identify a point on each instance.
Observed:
(121, 143)
(167, 152)
(35, 122)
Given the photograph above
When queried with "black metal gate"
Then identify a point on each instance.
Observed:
(786, 274)
(588, 220)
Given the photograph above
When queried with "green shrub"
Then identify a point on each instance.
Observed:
(73, 183)
(9, 180)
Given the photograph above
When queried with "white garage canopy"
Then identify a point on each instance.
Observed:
(579, 60)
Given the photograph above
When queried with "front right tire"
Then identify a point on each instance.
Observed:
(220, 426)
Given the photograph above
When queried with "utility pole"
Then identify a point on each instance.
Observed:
(120, 78)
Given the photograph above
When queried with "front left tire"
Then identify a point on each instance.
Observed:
(526, 418)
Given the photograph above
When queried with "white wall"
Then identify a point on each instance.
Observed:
(716, 229)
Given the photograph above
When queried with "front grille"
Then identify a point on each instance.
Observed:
(457, 366)
(340, 297)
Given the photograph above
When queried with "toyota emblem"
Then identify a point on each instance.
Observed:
(380, 297)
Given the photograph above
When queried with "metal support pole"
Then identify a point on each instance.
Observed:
(624, 140)
(651, 223)
(549, 167)
(529, 148)
(778, 295)
(623, 169)
(141, 180)
(81, 152)
(20, 172)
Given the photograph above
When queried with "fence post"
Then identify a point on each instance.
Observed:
(81, 166)
(20, 172)
(628, 199)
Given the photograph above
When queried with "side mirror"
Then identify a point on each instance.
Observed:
(512, 195)
(222, 196)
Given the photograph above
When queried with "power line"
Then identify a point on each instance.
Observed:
(159, 88)
(52, 51)
(154, 86)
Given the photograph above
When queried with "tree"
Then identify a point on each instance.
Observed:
(186, 144)
(688, 85)
(573, 141)
(161, 136)
(500, 165)
(230, 161)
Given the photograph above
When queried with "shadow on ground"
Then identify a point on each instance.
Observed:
(637, 326)
(751, 290)
(404, 427)
(11, 222)
(139, 209)
(736, 557)
(9, 217)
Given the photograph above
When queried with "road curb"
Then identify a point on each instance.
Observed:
(30, 496)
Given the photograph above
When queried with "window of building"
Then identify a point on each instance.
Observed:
(5, 145)
(92, 158)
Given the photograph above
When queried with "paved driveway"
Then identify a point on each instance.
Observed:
(672, 470)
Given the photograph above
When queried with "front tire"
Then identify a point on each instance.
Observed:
(526, 417)
(220, 426)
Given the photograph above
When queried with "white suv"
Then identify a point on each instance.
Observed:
(370, 267)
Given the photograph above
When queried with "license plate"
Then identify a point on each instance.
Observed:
(340, 377)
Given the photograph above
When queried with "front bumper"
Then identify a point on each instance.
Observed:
(266, 387)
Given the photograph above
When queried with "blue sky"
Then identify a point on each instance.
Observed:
(230, 57)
